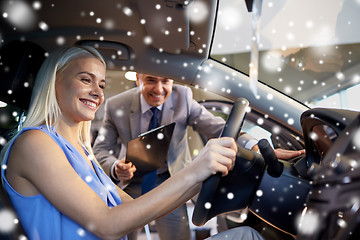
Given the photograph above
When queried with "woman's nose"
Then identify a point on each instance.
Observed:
(97, 91)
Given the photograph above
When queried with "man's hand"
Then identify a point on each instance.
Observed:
(124, 171)
(287, 154)
(282, 154)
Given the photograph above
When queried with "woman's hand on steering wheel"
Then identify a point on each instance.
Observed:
(218, 155)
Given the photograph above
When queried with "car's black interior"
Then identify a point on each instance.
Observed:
(277, 191)
(215, 191)
(321, 127)
(325, 180)
(335, 194)
(20, 60)
(251, 184)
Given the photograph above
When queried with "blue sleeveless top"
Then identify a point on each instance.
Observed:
(40, 219)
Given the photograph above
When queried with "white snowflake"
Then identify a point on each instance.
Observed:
(309, 222)
(88, 178)
(160, 136)
(356, 139)
(7, 219)
(127, 11)
(259, 193)
(2, 141)
(20, 14)
(314, 136)
(60, 40)
(198, 12)
(230, 196)
(81, 232)
(207, 205)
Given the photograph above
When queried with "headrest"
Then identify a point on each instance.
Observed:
(20, 61)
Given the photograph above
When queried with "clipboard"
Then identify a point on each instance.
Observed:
(149, 150)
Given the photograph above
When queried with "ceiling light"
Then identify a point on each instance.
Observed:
(2, 104)
(130, 76)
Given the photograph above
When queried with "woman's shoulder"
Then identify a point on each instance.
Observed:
(32, 134)
(32, 139)
(28, 159)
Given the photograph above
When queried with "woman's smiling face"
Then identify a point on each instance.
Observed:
(80, 88)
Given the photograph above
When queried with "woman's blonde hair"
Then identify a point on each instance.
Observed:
(44, 108)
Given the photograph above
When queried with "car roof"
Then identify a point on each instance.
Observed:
(150, 36)
(127, 32)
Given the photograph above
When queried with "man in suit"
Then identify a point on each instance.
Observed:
(128, 114)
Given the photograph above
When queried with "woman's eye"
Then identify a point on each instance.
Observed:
(102, 86)
(86, 80)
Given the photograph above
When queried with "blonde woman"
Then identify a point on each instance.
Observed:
(51, 177)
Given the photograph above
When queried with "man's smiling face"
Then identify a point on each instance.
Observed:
(155, 90)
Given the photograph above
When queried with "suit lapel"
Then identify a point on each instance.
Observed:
(135, 114)
(168, 111)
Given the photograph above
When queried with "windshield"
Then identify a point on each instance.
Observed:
(308, 49)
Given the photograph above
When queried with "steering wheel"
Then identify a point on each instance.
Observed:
(234, 191)
(313, 122)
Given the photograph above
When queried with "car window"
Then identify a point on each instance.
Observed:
(306, 50)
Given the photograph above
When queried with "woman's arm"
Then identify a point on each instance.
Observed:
(38, 165)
